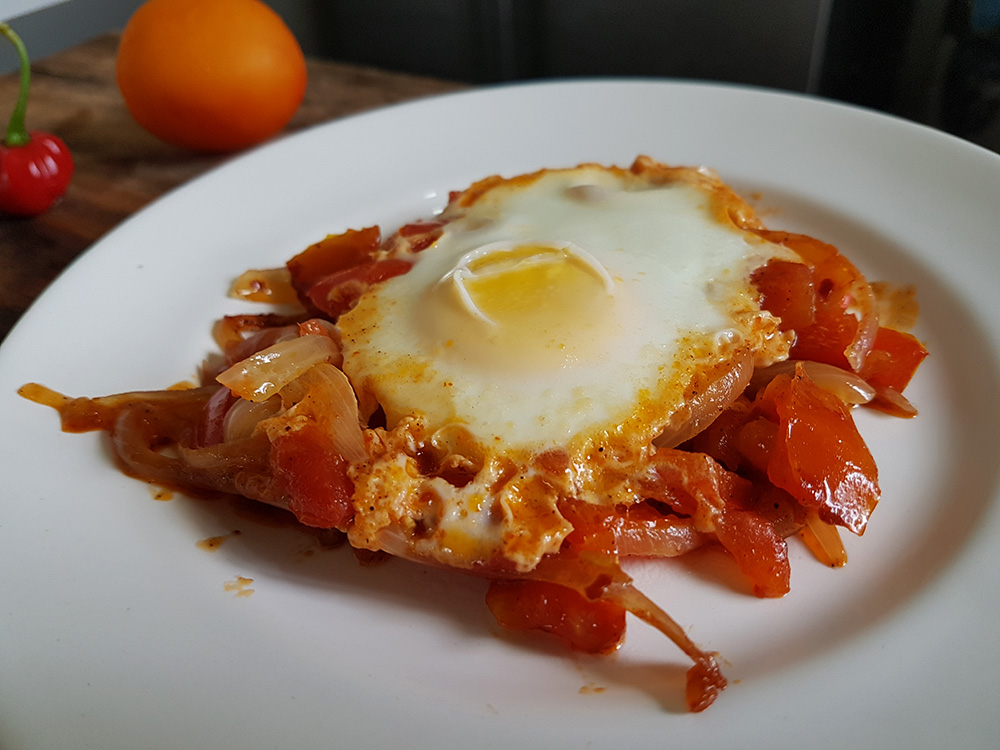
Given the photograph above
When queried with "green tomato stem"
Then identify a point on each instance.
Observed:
(17, 134)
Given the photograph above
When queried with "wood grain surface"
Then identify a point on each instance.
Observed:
(120, 167)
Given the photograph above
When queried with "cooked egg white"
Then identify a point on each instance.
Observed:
(569, 313)
(548, 310)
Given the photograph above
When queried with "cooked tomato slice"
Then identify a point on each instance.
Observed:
(642, 530)
(844, 318)
(337, 293)
(595, 627)
(314, 478)
(593, 527)
(718, 503)
(334, 253)
(819, 456)
(759, 551)
(787, 291)
(893, 360)
(421, 234)
(828, 337)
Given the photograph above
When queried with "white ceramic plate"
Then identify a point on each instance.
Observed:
(118, 631)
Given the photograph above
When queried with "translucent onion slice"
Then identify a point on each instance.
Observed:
(226, 333)
(704, 679)
(259, 341)
(823, 540)
(265, 373)
(847, 386)
(893, 402)
(865, 309)
(243, 417)
(323, 396)
(703, 408)
(334, 392)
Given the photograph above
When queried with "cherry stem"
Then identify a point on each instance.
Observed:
(17, 134)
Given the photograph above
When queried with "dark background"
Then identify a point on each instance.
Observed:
(934, 61)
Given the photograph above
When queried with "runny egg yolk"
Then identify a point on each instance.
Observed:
(526, 306)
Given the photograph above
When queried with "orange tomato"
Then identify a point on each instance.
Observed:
(210, 75)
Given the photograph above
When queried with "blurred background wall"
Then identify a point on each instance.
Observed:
(934, 61)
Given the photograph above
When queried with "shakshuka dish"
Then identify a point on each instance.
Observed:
(558, 371)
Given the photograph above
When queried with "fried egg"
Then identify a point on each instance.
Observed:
(556, 331)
